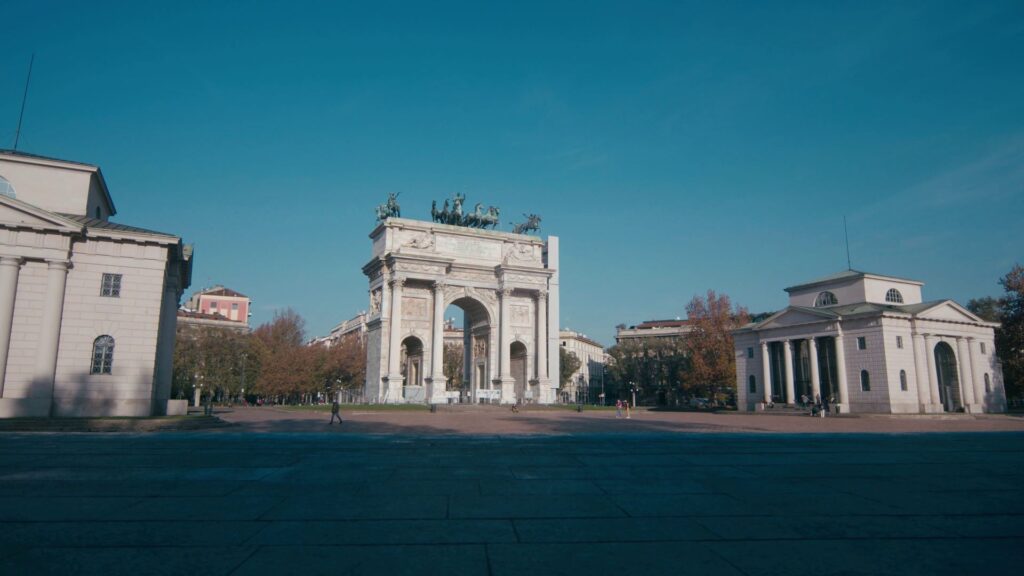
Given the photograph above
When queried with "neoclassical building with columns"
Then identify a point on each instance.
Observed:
(870, 342)
(87, 306)
(507, 288)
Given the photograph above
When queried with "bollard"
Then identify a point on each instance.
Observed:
(433, 408)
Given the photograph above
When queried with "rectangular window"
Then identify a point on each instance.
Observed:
(862, 343)
(111, 286)
(983, 348)
(750, 352)
(899, 341)
(234, 305)
(213, 305)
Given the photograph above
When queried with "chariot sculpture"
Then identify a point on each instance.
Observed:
(389, 209)
(452, 213)
(532, 224)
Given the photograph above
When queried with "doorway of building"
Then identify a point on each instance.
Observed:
(949, 382)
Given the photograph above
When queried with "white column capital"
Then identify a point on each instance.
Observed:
(11, 261)
(541, 295)
(58, 264)
(505, 293)
(439, 286)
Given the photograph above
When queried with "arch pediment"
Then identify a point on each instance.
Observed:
(949, 311)
(17, 214)
(793, 316)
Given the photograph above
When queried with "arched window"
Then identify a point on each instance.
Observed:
(826, 299)
(6, 188)
(102, 355)
(752, 384)
(893, 296)
(865, 381)
(903, 380)
(988, 384)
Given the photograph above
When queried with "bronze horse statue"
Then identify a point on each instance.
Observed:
(532, 224)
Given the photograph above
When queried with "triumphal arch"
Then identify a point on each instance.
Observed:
(506, 285)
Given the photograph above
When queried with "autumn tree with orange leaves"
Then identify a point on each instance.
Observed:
(709, 346)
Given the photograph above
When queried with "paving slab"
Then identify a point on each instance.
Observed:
(651, 502)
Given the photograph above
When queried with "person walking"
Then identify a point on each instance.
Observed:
(618, 408)
(334, 411)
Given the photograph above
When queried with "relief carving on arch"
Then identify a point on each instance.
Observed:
(479, 347)
(521, 254)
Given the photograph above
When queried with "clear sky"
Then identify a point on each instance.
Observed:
(673, 147)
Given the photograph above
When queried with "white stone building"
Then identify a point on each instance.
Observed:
(870, 342)
(507, 286)
(590, 374)
(653, 330)
(87, 306)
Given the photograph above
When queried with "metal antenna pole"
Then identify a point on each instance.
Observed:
(24, 97)
(847, 235)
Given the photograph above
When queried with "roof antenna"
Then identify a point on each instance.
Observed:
(17, 133)
(847, 235)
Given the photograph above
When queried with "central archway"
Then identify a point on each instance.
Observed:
(949, 382)
(475, 358)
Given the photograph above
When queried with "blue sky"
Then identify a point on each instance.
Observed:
(673, 147)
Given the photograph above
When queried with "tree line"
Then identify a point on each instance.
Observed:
(670, 370)
(1008, 310)
(273, 363)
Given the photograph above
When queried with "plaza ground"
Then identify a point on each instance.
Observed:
(540, 492)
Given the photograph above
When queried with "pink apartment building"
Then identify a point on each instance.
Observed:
(223, 302)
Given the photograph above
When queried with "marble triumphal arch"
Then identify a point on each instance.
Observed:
(507, 287)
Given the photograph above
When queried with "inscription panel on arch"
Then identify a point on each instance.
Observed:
(468, 247)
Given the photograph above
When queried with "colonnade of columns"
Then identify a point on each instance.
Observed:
(927, 372)
(45, 369)
(788, 376)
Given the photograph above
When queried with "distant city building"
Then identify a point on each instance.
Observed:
(870, 342)
(87, 306)
(585, 383)
(188, 319)
(222, 301)
(653, 329)
(354, 327)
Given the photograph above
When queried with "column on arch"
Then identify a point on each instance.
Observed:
(815, 377)
(542, 338)
(963, 351)
(505, 357)
(437, 379)
(9, 271)
(976, 366)
(924, 396)
(766, 372)
(395, 336)
(49, 335)
(788, 355)
(844, 390)
(933, 370)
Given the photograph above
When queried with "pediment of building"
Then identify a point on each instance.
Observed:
(17, 214)
(795, 317)
(948, 311)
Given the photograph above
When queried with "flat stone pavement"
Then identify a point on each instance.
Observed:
(476, 420)
(641, 502)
